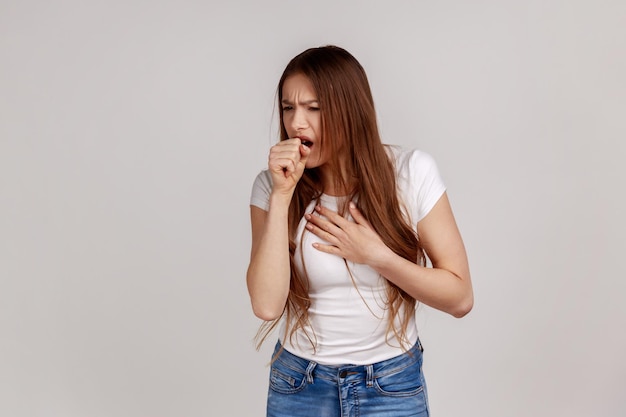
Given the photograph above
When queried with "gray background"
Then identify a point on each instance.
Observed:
(131, 131)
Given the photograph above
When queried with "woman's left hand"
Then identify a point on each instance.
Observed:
(355, 241)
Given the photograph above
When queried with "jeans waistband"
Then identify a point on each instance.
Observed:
(353, 372)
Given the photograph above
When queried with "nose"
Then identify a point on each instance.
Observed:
(299, 121)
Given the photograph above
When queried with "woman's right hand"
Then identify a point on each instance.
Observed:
(269, 272)
(286, 164)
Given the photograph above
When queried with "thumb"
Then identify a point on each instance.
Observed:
(305, 151)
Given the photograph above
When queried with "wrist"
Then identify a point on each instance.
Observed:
(383, 259)
(280, 200)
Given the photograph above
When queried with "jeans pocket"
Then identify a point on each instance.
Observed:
(286, 380)
(403, 382)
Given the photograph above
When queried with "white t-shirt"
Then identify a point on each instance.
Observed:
(348, 318)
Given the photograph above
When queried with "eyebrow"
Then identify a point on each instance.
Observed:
(303, 103)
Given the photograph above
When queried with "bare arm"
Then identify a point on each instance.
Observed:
(269, 271)
(446, 286)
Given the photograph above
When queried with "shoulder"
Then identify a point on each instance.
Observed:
(263, 179)
(411, 163)
(419, 182)
(261, 190)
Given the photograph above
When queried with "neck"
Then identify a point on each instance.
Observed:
(330, 183)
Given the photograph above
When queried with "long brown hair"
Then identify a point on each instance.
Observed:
(360, 166)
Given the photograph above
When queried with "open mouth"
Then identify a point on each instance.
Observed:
(305, 141)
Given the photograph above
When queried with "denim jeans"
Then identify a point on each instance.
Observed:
(391, 388)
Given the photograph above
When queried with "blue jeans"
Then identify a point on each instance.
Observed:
(391, 388)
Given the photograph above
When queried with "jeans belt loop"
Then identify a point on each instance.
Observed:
(309, 372)
(370, 375)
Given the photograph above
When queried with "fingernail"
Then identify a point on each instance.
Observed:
(352, 205)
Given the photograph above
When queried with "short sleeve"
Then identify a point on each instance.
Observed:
(261, 190)
(420, 184)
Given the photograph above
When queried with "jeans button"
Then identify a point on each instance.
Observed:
(343, 374)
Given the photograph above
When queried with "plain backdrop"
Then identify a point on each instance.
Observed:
(131, 132)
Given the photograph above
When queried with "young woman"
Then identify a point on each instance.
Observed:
(342, 227)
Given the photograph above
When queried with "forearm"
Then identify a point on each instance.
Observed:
(269, 271)
(437, 287)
